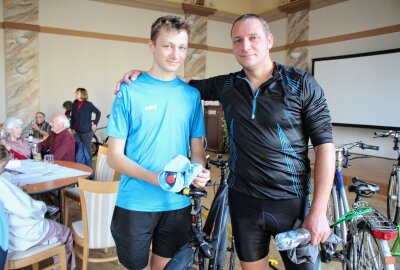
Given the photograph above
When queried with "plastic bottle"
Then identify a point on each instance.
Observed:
(30, 137)
(292, 239)
(34, 150)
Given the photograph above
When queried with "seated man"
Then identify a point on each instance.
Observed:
(40, 128)
(27, 226)
(61, 142)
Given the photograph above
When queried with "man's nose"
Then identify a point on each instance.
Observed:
(175, 53)
(246, 44)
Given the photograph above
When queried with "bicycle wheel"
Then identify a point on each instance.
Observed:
(367, 252)
(393, 211)
(94, 146)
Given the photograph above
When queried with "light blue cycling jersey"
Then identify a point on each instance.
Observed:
(157, 119)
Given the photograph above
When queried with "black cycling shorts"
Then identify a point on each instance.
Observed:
(134, 231)
(255, 220)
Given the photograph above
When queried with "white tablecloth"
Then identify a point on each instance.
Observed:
(31, 172)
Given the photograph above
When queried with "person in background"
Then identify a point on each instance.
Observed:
(152, 121)
(27, 226)
(81, 118)
(40, 128)
(60, 143)
(272, 111)
(13, 142)
(67, 105)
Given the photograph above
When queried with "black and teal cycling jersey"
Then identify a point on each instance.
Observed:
(270, 129)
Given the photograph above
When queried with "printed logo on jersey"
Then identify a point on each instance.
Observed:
(150, 107)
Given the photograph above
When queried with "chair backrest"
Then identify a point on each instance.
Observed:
(97, 204)
(103, 171)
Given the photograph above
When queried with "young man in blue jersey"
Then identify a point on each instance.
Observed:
(272, 111)
(154, 119)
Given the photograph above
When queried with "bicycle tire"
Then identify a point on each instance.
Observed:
(393, 211)
(370, 252)
(94, 146)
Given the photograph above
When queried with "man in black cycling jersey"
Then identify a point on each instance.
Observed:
(271, 111)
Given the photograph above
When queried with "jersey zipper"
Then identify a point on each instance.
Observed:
(255, 95)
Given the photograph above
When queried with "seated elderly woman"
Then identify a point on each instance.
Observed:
(13, 142)
(26, 222)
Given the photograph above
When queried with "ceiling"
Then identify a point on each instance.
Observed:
(228, 10)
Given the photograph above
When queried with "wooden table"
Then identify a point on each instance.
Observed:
(59, 184)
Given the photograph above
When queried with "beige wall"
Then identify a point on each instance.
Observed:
(2, 70)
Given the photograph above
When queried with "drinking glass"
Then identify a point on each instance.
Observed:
(48, 162)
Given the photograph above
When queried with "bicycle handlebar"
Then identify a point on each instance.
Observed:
(348, 146)
(367, 146)
(193, 192)
(389, 133)
(219, 162)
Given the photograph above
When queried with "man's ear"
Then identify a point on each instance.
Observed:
(151, 46)
(270, 41)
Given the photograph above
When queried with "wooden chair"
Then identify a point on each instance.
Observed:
(36, 254)
(93, 231)
(103, 173)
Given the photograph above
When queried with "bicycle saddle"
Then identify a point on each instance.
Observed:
(363, 189)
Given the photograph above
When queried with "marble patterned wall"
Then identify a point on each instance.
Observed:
(195, 63)
(298, 31)
(21, 60)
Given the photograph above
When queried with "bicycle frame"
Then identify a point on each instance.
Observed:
(208, 242)
(393, 198)
(346, 221)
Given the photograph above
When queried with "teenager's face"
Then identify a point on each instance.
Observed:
(250, 43)
(169, 50)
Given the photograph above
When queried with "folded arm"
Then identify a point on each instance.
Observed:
(120, 162)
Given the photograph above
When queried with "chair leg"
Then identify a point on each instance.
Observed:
(65, 209)
(62, 258)
(85, 258)
(35, 266)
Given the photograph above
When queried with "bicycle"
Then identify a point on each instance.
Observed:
(364, 230)
(209, 243)
(97, 140)
(393, 199)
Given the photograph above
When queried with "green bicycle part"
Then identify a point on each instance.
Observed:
(352, 214)
(395, 249)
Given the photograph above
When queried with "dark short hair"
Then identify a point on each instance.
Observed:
(4, 154)
(84, 93)
(67, 105)
(168, 23)
(253, 16)
(42, 113)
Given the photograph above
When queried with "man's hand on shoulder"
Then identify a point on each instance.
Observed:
(131, 75)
